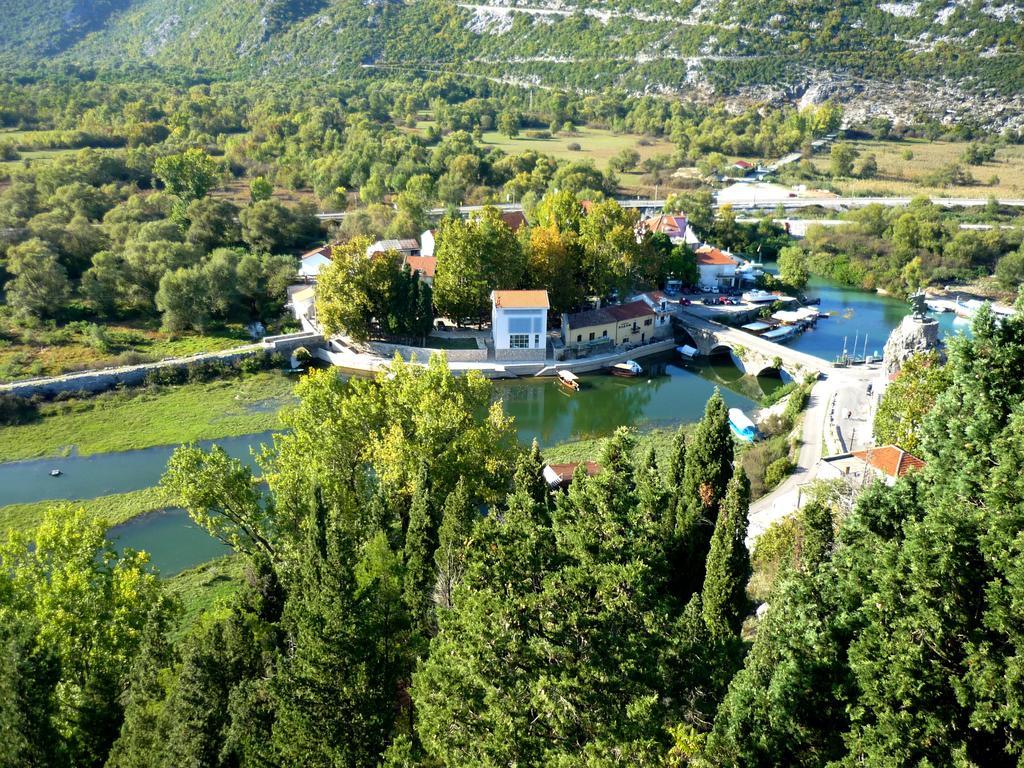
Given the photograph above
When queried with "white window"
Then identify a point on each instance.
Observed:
(519, 341)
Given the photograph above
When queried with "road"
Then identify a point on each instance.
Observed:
(842, 391)
(759, 204)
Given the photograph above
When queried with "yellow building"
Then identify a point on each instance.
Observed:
(623, 324)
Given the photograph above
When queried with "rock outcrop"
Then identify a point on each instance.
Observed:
(910, 337)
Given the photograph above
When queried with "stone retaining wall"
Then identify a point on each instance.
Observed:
(423, 354)
(134, 375)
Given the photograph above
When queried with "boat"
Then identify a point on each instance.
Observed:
(780, 334)
(628, 368)
(55, 473)
(741, 426)
(687, 351)
(569, 380)
(758, 297)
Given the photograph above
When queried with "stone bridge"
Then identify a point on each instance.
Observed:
(752, 354)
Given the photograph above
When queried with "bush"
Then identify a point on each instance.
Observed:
(538, 134)
(573, 146)
(776, 471)
(17, 410)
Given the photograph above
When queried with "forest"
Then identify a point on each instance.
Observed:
(415, 594)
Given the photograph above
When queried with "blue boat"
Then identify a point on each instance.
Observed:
(741, 426)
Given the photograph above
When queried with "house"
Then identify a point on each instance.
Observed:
(427, 243)
(519, 324)
(621, 324)
(559, 476)
(673, 226)
(663, 310)
(887, 462)
(514, 220)
(742, 167)
(405, 247)
(717, 268)
(303, 304)
(424, 266)
(311, 263)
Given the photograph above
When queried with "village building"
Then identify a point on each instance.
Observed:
(424, 266)
(559, 476)
(427, 242)
(302, 301)
(663, 308)
(311, 263)
(514, 220)
(519, 324)
(676, 228)
(742, 167)
(716, 268)
(887, 462)
(404, 247)
(618, 325)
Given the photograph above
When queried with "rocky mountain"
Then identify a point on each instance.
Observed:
(926, 54)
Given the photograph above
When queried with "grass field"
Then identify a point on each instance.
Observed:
(113, 510)
(121, 421)
(902, 177)
(205, 591)
(45, 351)
(596, 144)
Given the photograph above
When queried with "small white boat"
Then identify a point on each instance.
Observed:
(55, 473)
(569, 380)
(758, 297)
(687, 351)
(628, 369)
(742, 426)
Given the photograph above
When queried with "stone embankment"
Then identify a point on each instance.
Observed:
(102, 379)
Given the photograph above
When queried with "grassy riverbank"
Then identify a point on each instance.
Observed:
(114, 509)
(205, 590)
(141, 418)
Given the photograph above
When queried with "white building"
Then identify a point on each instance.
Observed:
(663, 308)
(716, 268)
(519, 324)
(314, 261)
(427, 243)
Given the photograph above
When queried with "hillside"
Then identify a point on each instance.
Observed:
(893, 57)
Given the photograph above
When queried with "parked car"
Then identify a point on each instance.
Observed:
(723, 300)
(710, 302)
(684, 302)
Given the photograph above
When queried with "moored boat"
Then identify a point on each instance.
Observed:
(742, 426)
(687, 351)
(629, 368)
(569, 380)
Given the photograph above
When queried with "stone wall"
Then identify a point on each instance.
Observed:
(520, 355)
(423, 354)
(134, 375)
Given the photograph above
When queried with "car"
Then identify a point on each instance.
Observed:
(709, 301)
(684, 302)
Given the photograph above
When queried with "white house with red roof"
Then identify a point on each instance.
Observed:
(663, 307)
(311, 263)
(424, 266)
(717, 268)
(886, 462)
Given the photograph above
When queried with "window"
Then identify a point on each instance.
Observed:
(519, 341)
(591, 336)
(604, 334)
(647, 321)
(579, 337)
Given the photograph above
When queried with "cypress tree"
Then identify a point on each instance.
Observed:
(653, 506)
(457, 520)
(708, 467)
(728, 570)
(818, 535)
(529, 475)
(420, 542)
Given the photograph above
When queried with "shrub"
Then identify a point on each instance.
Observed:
(538, 134)
(17, 410)
(573, 146)
(777, 470)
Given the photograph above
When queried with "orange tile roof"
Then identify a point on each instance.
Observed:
(521, 299)
(708, 254)
(890, 460)
(513, 219)
(323, 250)
(426, 265)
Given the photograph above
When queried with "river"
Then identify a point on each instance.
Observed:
(668, 393)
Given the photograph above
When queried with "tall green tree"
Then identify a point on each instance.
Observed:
(724, 596)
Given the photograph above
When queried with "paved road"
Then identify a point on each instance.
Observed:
(843, 389)
(758, 204)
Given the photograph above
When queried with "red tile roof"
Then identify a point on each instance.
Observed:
(425, 265)
(667, 224)
(708, 254)
(743, 164)
(323, 250)
(564, 472)
(521, 299)
(513, 219)
(890, 460)
(630, 311)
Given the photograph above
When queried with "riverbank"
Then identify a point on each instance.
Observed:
(114, 509)
(141, 418)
